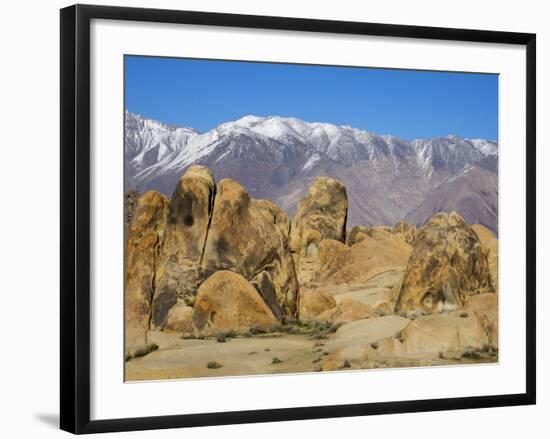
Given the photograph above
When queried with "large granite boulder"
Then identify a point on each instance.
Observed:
(280, 271)
(226, 301)
(144, 240)
(490, 242)
(444, 333)
(314, 304)
(250, 237)
(321, 214)
(447, 264)
(180, 319)
(179, 273)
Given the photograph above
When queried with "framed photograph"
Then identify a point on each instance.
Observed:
(268, 219)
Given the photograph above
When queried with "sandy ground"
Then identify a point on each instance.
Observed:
(361, 344)
(177, 358)
(346, 349)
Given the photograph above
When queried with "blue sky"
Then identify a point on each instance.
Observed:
(406, 103)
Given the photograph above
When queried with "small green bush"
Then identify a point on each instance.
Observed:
(213, 365)
(471, 354)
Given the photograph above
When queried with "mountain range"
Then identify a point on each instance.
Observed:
(387, 179)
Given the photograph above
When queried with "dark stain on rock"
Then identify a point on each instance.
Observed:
(222, 246)
(181, 208)
(162, 303)
(263, 284)
(188, 220)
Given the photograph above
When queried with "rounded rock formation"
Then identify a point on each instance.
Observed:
(447, 264)
(250, 237)
(226, 301)
(356, 235)
(145, 237)
(320, 215)
(324, 211)
(315, 303)
(179, 272)
(180, 319)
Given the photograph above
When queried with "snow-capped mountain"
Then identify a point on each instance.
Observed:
(276, 158)
(148, 142)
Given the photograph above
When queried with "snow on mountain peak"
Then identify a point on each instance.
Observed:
(154, 148)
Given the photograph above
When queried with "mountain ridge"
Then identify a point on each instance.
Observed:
(278, 157)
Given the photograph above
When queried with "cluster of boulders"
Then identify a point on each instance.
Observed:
(212, 259)
(209, 258)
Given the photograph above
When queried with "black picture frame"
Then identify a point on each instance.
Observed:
(75, 217)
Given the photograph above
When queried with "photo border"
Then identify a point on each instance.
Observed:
(75, 217)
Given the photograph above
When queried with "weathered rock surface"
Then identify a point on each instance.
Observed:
(227, 301)
(357, 234)
(448, 332)
(348, 274)
(348, 310)
(320, 215)
(314, 303)
(250, 237)
(447, 264)
(179, 273)
(324, 211)
(382, 252)
(131, 199)
(490, 241)
(210, 229)
(407, 230)
(281, 270)
(485, 307)
(145, 236)
(180, 319)
(352, 340)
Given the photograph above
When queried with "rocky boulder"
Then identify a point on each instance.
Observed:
(180, 319)
(341, 264)
(444, 333)
(227, 301)
(320, 215)
(490, 242)
(144, 240)
(357, 234)
(485, 308)
(407, 230)
(179, 272)
(352, 340)
(447, 264)
(348, 310)
(131, 199)
(314, 304)
(250, 237)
